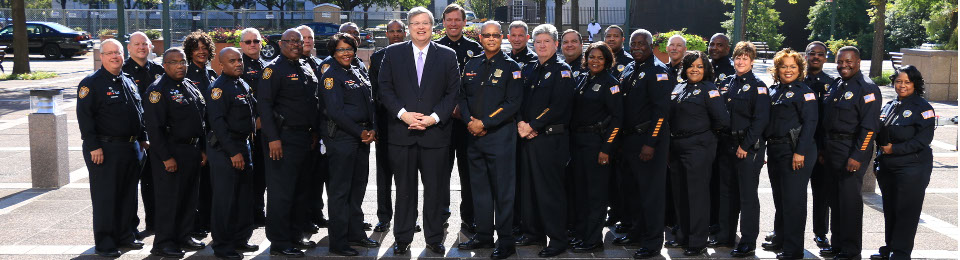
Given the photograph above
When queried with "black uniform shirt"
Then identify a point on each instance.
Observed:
(230, 111)
(348, 99)
(646, 93)
(723, 68)
(492, 90)
(547, 94)
(203, 77)
(524, 57)
(287, 97)
(621, 58)
(144, 75)
(252, 71)
(819, 83)
(578, 70)
(673, 71)
(465, 49)
(908, 124)
(173, 110)
(108, 105)
(748, 102)
(697, 108)
(853, 108)
(793, 106)
(599, 99)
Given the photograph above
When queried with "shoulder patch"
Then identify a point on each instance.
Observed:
(516, 74)
(324, 68)
(328, 83)
(662, 76)
(714, 93)
(615, 89)
(154, 97)
(762, 90)
(267, 72)
(928, 114)
(809, 97)
(83, 92)
(215, 93)
(869, 98)
(565, 74)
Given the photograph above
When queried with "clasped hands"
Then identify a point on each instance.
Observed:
(525, 131)
(417, 121)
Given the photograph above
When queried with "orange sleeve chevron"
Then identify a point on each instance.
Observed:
(866, 141)
(613, 135)
(656, 130)
(544, 112)
(496, 112)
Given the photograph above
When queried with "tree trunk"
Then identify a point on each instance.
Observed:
(558, 14)
(575, 14)
(366, 16)
(744, 11)
(879, 22)
(542, 11)
(21, 58)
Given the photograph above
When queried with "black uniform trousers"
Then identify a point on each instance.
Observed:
(113, 193)
(590, 183)
(543, 193)
(649, 192)
(287, 186)
(792, 187)
(737, 192)
(406, 160)
(691, 164)
(349, 166)
(318, 178)
(259, 178)
(204, 201)
(819, 182)
(176, 194)
(146, 193)
(231, 223)
(384, 171)
(621, 183)
(846, 202)
(493, 180)
(459, 150)
(903, 179)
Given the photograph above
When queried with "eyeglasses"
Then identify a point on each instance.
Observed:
(112, 53)
(344, 50)
(248, 42)
(294, 42)
(174, 63)
(491, 35)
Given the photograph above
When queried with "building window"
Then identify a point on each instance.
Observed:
(518, 10)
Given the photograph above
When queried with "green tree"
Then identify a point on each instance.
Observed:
(761, 23)
(852, 20)
(483, 8)
(942, 26)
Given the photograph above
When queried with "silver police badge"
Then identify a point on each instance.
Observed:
(642, 74)
(789, 94)
(576, 74)
(596, 87)
(848, 95)
(907, 113)
(469, 52)
(545, 76)
(746, 88)
(696, 91)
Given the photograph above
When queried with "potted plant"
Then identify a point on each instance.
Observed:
(106, 34)
(222, 38)
(156, 37)
(661, 40)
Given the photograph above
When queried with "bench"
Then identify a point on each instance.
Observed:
(896, 58)
(763, 51)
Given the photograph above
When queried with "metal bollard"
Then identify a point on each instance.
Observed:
(49, 165)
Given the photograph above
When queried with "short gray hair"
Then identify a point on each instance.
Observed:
(251, 30)
(304, 27)
(643, 32)
(684, 40)
(172, 50)
(520, 24)
(491, 22)
(346, 24)
(417, 11)
(114, 41)
(545, 29)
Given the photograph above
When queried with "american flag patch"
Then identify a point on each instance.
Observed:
(869, 98)
(662, 76)
(928, 114)
(714, 93)
(615, 89)
(565, 74)
(516, 74)
(762, 90)
(809, 97)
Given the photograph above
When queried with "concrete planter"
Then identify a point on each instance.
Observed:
(939, 69)
(215, 62)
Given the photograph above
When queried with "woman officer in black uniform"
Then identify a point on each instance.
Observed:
(905, 161)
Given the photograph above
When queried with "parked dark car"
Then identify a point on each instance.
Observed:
(322, 32)
(52, 39)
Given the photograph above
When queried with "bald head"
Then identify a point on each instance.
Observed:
(231, 62)
(139, 47)
(111, 56)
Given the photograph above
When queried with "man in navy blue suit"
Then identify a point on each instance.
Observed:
(421, 102)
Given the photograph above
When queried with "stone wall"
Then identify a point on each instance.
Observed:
(939, 69)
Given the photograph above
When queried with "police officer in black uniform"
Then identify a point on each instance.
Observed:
(595, 123)
(676, 48)
(490, 98)
(350, 128)
(174, 112)
(250, 45)
(791, 152)
(518, 37)
(352, 29)
(319, 175)
(289, 108)
(199, 49)
(646, 93)
(614, 37)
(696, 111)
(740, 154)
(719, 50)
(819, 82)
(545, 145)
(111, 124)
(571, 47)
(850, 122)
(230, 107)
(396, 32)
(905, 163)
(454, 17)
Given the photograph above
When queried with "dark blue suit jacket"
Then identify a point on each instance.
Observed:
(437, 92)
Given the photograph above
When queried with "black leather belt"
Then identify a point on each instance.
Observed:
(117, 139)
(187, 141)
(779, 140)
(594, 128)
(685, 134)
(555, 129)
(239, 136)
(838, 136)
(298, 128)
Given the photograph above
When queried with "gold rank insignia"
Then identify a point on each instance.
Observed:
(83, 92)
(154, 97)
(498, 73)
(215, 93)
(328, 83)
(323, 69)
(267, 72)
(620, 68)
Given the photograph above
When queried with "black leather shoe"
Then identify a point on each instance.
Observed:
(367, 226)
(321, 222)
(503, 252)
(716, 244)
(626, 241)
(783, 256)
(304, 244)
(879, 257)
(526, 240)
(192, 245)
(167, 253)
(228, 255)
(770, 236)
(135, 244)
(645, 253)
(551, 251)
(672, 244)
(144, 234)
(311, 228)
(436, 248)
(581, 248)
(771, 246)
(346, 251)
(382, 227)
(475, 244)
(694, 251)
(248, 248)
(743, 250)
(828, 252)
(575, 241)
(109, 253)
(289, 252)
(843, 256)
(401, 248)
(469, 227)
(366, 242)
(199, 234)
(622, 228)
(822, 241)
